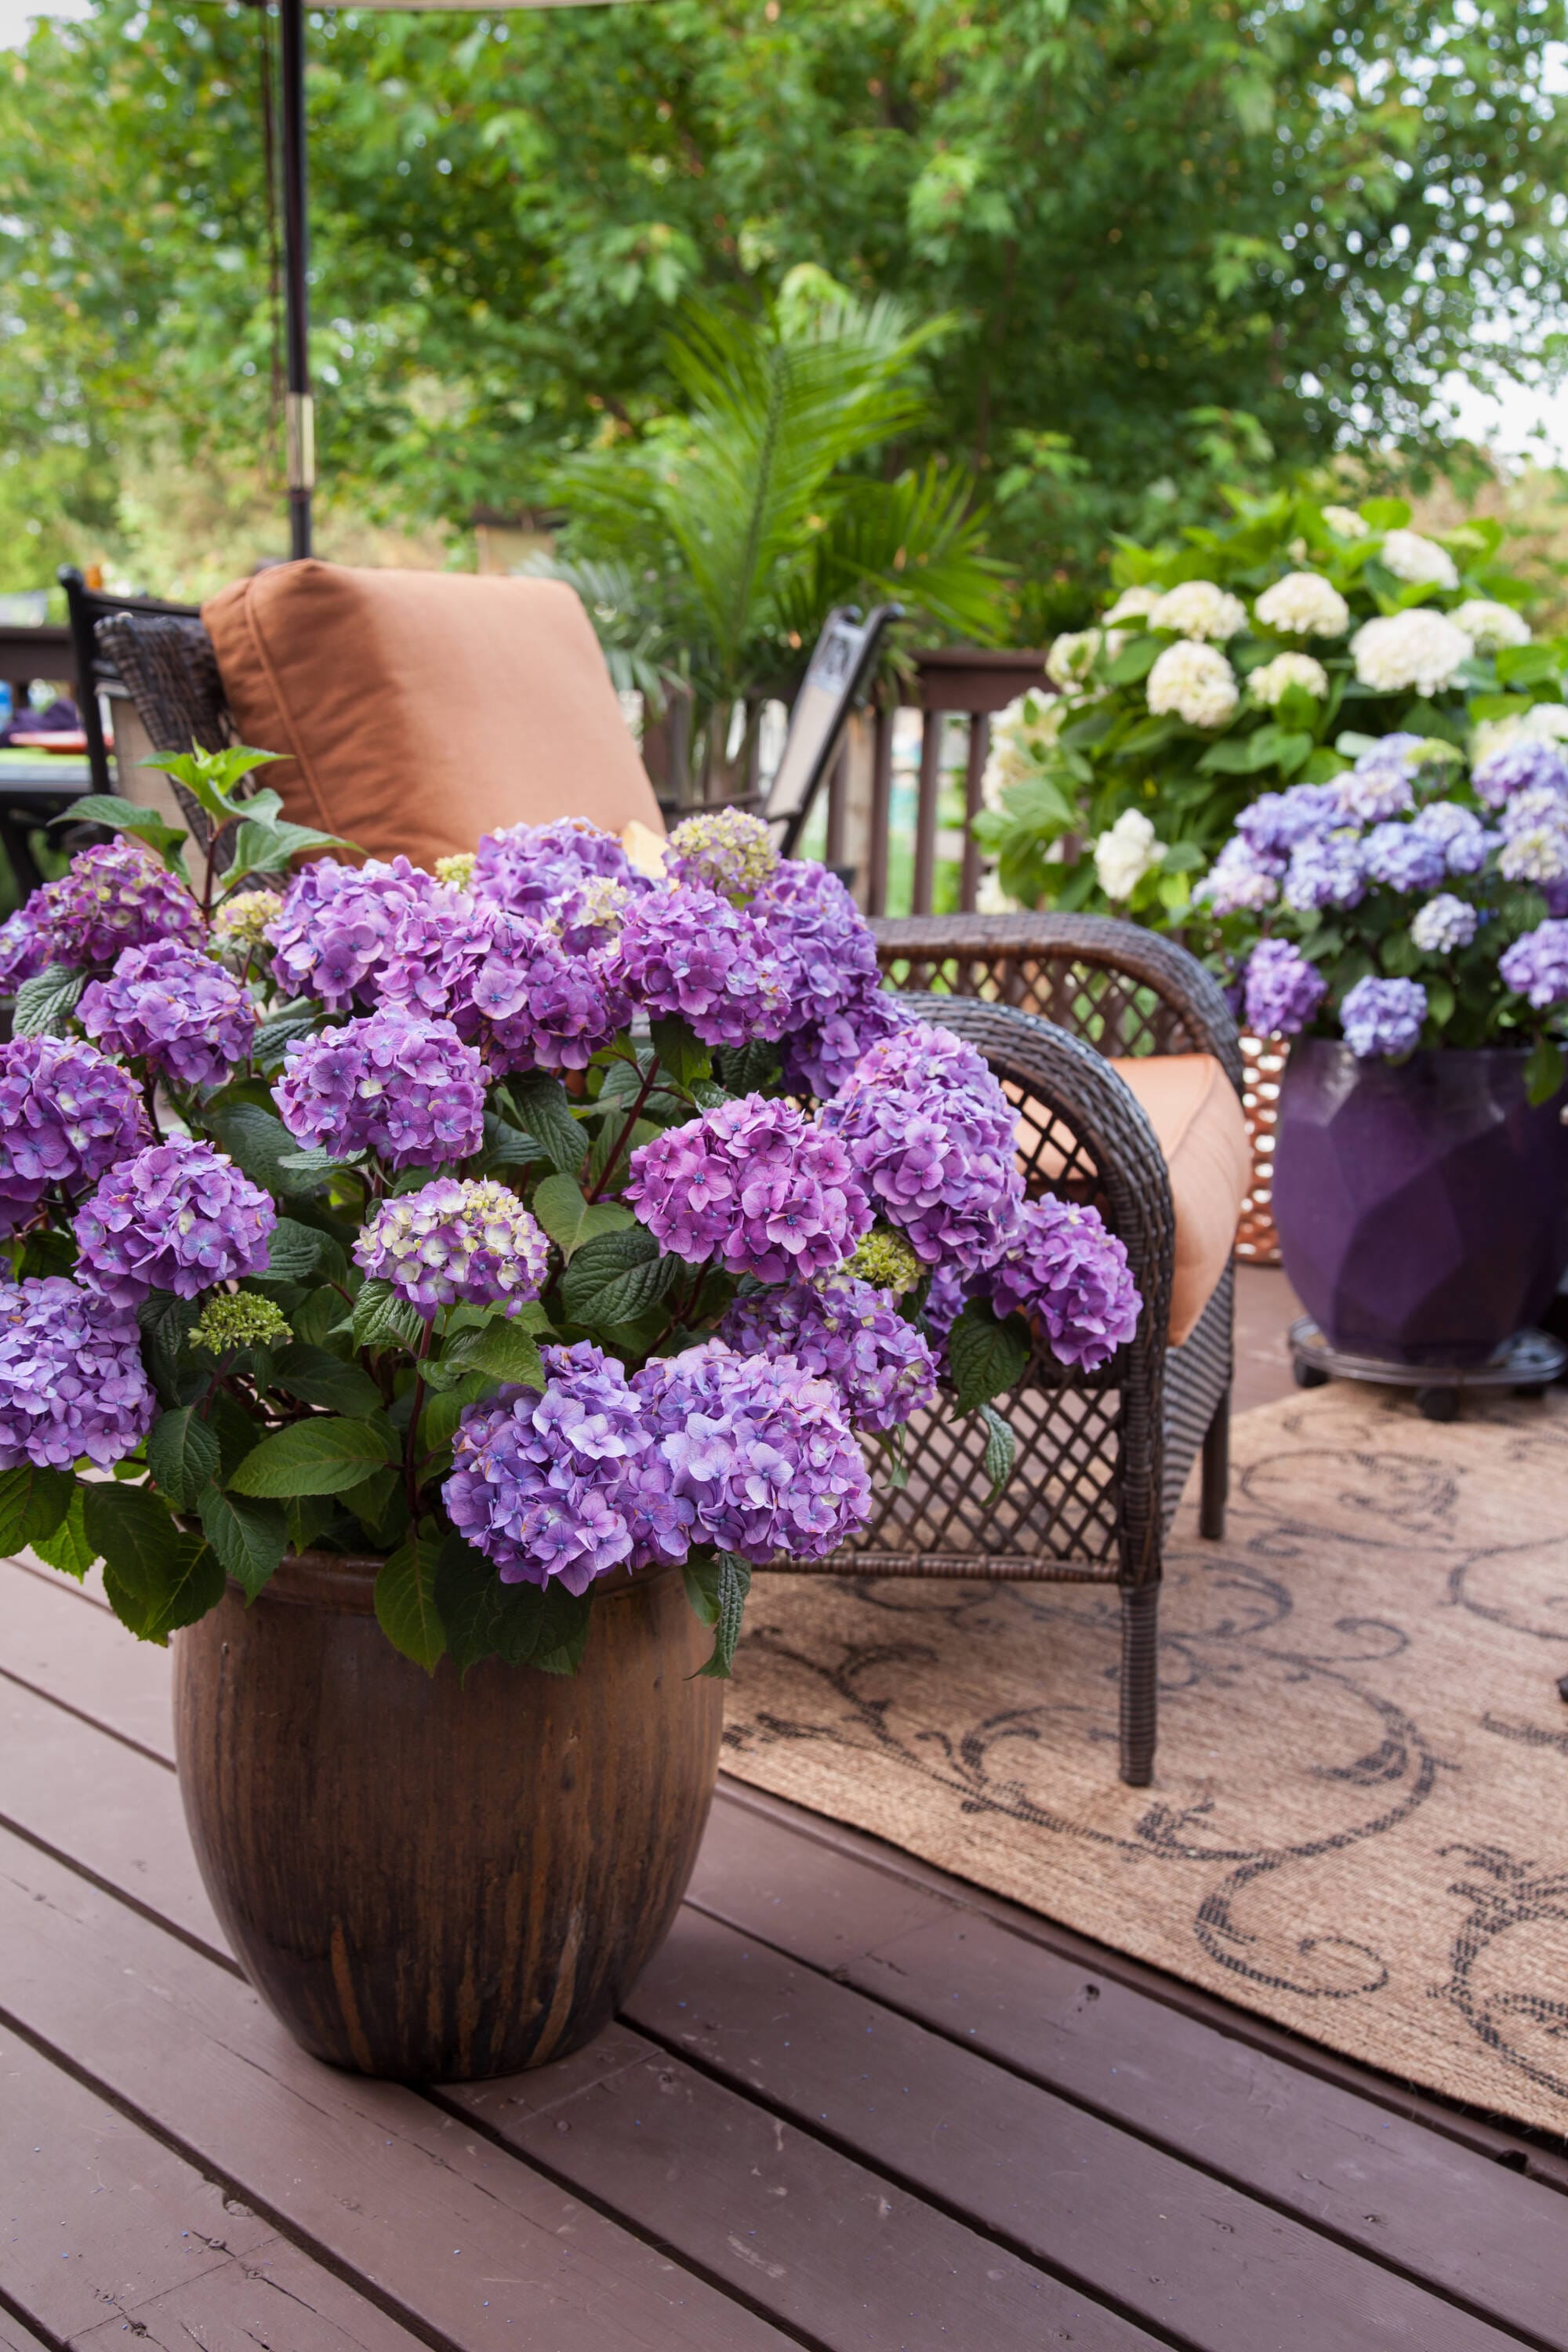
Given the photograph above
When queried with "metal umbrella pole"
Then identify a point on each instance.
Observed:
(298, 408)
(299, 413)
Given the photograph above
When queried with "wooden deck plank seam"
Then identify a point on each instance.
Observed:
(93, 1722)
(912, 2186)
(1485, 2134)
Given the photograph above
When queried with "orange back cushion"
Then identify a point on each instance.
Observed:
(422, 708)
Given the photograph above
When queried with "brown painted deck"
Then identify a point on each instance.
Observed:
(854, 2106)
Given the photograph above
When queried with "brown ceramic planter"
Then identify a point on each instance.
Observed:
(432, 1881)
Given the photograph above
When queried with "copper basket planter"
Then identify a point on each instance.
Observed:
(1422, 1205)
(433, 1881)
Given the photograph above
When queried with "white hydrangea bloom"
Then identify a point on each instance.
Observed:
(1132, 604)
(1198, 608)
(1268, 684)
(1345, 523)
(1071, 656)
(1304, 604)
(1444, 925)
(1031, 722)
(1419, 561)
(1195, 682)
(991, 899)
(1547, 723)
(1490, 626)
(1123, 856)
(1419, 650)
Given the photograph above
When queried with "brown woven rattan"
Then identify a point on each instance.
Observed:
(1103, 1458)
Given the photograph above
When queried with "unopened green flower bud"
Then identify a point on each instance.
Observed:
(241, 1320)
(886, 1261)
(456, 871)
(241, 920)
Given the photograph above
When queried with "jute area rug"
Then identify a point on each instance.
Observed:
(1360, 1821)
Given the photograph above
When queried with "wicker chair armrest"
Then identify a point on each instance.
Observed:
(995, 947)
(1088, 1127)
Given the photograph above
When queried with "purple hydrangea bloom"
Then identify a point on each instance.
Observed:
(1404, 858)
(567, 1484)
(71, 1382)
(26, 946)
(823, 942)
(1382, 1016)
(1444, 924)
(840, 1330)
(534, 1004)
(1537, 853)
(472, 1243)
(688, 952)
(923, 1058)
(1536, 966)
(180, 1217)
(590, 916)
(1276, 822)
(409, 1090)
(1518, 767)
(758, 1454)
(1464, 838)
(820, 1058)
(1378, 787)
(527, 867)
(338, 924)
(945, 1302)
(173, 1008)
(1283, 991)
(1326, 870)
(1069, 1278)
(116, 896)
(1242, 880)
(723, 849)
(67, 1113)
(755, 1184)
(934, 1164)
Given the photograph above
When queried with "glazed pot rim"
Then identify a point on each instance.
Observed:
(345, 1581)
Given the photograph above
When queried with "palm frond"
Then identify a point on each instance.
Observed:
(918, 542)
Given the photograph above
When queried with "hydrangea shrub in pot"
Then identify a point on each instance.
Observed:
(1404, 924)
(1240, 661)
(432, 1297)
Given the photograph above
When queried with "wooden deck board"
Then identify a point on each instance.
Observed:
(988, 2134)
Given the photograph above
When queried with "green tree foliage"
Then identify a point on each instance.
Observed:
(1138, 209)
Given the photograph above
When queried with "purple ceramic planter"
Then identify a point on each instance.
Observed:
(1422, 1206)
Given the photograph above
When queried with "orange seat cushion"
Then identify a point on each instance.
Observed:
(1197, 1120)
(421, 709)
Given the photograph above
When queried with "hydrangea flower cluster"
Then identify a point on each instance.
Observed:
(1525, 765)
(1536, 966)
(1415, 652)
(1272, 680)
(1283, 991)
(240, 924)
(886, 1262)
(180, 1217)
(71, 1382)
(409, 1090)
(1383, 1017)
(25, 948)
(840, 1330)
(185, 1016)
(67, 1114)
(113, 897)
(563, 1485)
(1062, 1271)
(932, 1162)
(338, 924)
(525, 866)
(1198, 609)
(754, 1184)
(688, 952)
(535, 1004)
(590, 916)
(230, 1321)
(1194, 682)
(758, 1453)
(920, 1057)
(725, 850)
(1304, 604)
(456, 1243)
(1419, 561)
(1444, 925)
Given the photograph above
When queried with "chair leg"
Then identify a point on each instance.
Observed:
(1214, 1485)
(1139, 1682)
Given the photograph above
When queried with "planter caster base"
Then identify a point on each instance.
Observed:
(1525, 1365)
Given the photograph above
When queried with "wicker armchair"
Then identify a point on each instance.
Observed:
(1103, 1458)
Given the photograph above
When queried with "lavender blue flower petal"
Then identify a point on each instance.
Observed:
(754, 1184)
(71, 1380)
(1283, 991)
(1383, 1017)
(455, 1243)
(840, 1330)
(409, 1091)
(184, 1016)
(1071, 1280)
(180, 1217)
(67, 1114)
(1536, 965)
